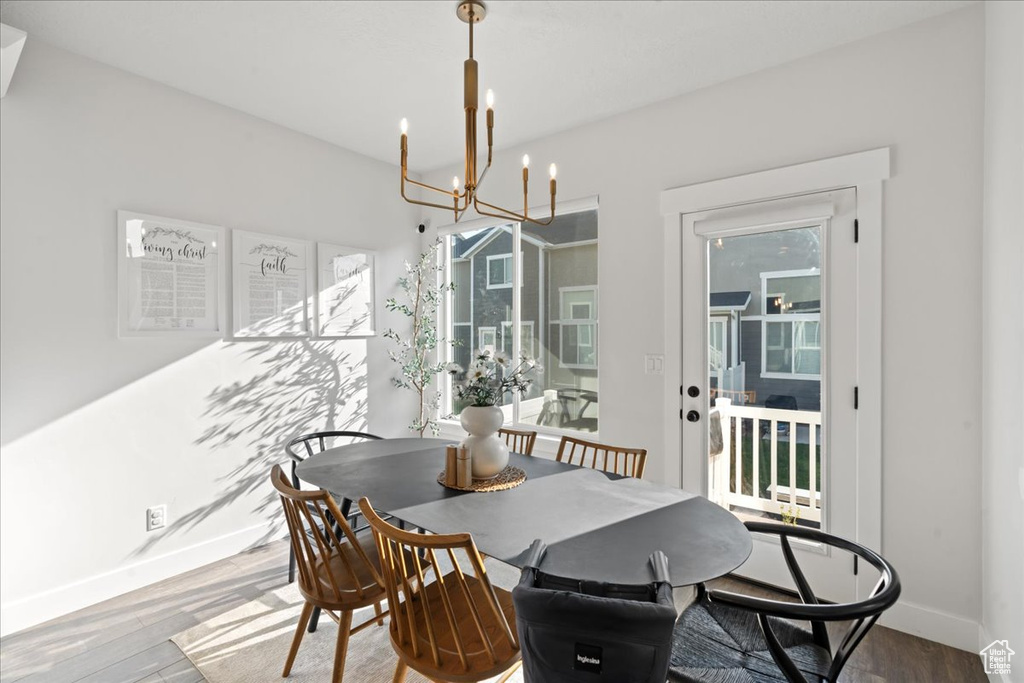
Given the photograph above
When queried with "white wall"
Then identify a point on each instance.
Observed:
(918, 89)
(1003, 332)
(94, 428)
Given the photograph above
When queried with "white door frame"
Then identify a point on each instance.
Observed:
(864, 171)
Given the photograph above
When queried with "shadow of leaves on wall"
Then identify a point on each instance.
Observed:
(296, 386)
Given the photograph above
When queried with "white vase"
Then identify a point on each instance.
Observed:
(487, 450)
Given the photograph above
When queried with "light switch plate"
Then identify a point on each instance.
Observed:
(654, 364)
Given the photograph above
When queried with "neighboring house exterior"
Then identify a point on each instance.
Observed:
(558, 293)
(764, 323)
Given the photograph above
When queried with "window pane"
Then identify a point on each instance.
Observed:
(807, 348)
(560, 293)
(778, 347)
(800, 294)
(479, 312)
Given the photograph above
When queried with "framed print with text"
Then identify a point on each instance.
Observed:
(271, 282)
(169, 277)
(345, 296)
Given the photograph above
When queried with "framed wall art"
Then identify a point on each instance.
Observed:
(345, 292)
(170, 277)
(271, 282)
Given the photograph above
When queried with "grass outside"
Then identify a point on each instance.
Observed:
(782, 463)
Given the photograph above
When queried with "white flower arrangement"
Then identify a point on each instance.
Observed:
(489, 376)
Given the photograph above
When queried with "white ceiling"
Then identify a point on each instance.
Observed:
(346, 72)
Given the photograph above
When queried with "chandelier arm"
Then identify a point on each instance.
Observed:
(505, 214)
(422, 203)
(417, 183)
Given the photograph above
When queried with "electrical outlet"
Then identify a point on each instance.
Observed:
(156, 517)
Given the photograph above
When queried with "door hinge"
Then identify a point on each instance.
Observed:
(855, 567)
(680, 413)
(680, 389)
(856, 398)
(856, 231)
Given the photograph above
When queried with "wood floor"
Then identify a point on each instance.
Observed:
(126, 639)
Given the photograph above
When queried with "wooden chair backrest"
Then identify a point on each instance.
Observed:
(406, 558)
(333, 567)
(519, 441)
(616, 459)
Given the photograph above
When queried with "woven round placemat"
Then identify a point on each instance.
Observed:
(508, 478)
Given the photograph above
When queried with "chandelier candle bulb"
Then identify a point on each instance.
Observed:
(553, 170)
(404, 125)
(490, 99)
(526, 161)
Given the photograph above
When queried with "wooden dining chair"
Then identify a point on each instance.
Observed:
(457, 627)
(306, 446)
(519, 441)
(337, 572)
(615, 459)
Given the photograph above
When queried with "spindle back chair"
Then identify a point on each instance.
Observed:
(628, 462)
(519, 441)
(457, 627)
(336, 572)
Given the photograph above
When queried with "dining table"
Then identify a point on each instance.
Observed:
(597, 526)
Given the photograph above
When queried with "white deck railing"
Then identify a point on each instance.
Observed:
(799, 427)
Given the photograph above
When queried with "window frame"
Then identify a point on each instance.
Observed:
(450, 424)
(480, 338)
(578, 323)
(509, 270)
(779, 318)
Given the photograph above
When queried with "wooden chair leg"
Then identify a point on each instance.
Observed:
(378, 611)
(344, 626)
(307, 609)
(400, 671)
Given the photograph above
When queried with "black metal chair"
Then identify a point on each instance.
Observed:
(728, 637)
(572, 630)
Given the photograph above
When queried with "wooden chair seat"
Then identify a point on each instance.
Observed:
(356, 589)
(480, 664)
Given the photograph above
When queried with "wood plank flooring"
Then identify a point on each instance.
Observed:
(126, 639)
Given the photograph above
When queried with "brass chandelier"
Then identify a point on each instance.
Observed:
(471, 12)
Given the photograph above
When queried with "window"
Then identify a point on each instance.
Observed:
(791, 331)
(499, 271)
(717, 358)
(526, 345)
(555, 299)
(578, 320)
(487, 339)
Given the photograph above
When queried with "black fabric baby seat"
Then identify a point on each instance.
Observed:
(572, 630)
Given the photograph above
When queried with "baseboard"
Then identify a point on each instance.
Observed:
(18, 615)
(931, 624)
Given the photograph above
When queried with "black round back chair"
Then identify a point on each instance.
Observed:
(725, 636)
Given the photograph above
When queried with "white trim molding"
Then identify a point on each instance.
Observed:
(864, 171)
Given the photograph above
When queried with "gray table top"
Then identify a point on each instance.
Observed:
(597, 526)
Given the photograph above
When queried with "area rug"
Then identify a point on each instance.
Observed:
(251, 642)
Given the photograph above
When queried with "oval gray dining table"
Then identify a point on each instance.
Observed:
(597, 526)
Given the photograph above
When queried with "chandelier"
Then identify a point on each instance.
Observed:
(462, 196)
